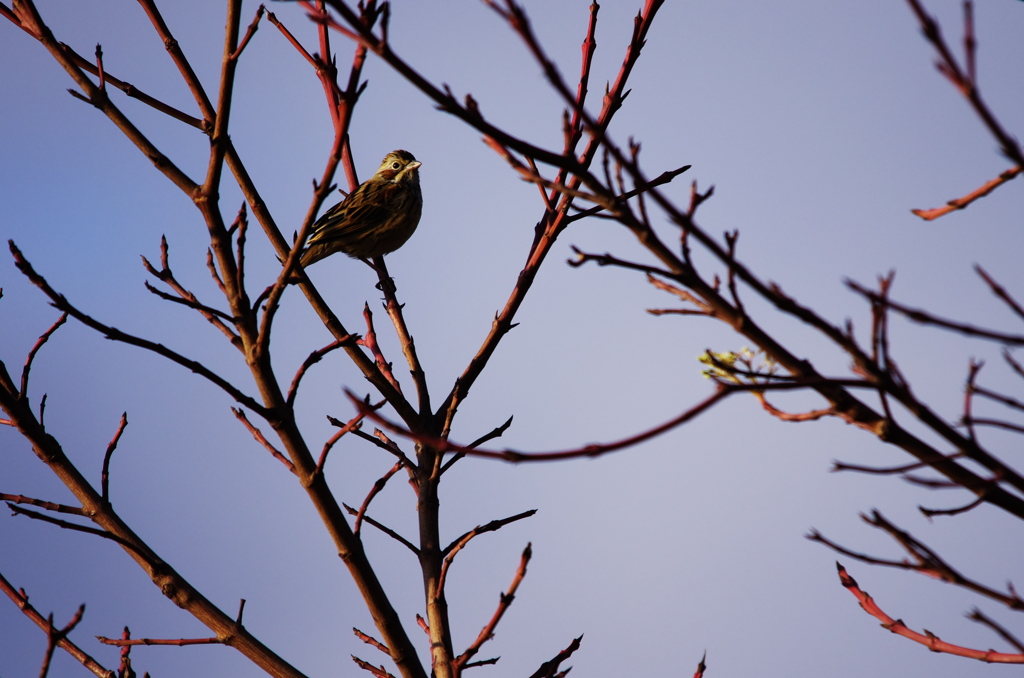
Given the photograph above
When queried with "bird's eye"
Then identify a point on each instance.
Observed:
(395, 165)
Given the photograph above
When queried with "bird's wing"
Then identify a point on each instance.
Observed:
(366, 208)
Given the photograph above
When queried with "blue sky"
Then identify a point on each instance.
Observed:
(820, 124)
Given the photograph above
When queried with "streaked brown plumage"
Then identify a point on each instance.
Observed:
(376, 218)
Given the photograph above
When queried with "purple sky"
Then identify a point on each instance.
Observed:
(820, 124)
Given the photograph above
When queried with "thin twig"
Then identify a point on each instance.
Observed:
(312, 359)
(453, 549)
(374, 491)
(105, 475)
(20, 598)
(179, 642)
(386, 530)
(48, 505)
(503, 604)
(261, 439)
(961, 203)
(496, 432)
(249, 32)
(60, 302)
(35, 349)
(594, 450)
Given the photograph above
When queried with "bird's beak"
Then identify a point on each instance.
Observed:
(413, 165)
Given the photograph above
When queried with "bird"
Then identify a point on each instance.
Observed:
(375, 219)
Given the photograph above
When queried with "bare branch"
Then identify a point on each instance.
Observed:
(313, 358)
(506, 600)
(179, 642)
(496, 432)
(374, 491)
(386, 530)
(249, 32)
(928, 639)
(261, 439)
(929, 319)
(62, 304)
(105, 475)
(976, 615)
(960, 203)
(20, 599)
(452, 549)
(548, 669)
(369, 640)
(594, 450)
(35, 349)
(48, 505)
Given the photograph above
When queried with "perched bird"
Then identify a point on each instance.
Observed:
(376, 218)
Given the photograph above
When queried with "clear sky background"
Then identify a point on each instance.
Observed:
(821, 124)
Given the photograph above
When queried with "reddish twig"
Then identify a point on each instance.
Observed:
(701, 667)
(20, 598)
(378, 671)
(503, 604)
(927, 561)
(394, 310)
(249, 32)
(813, 415)
(961, 203)
(261, 439)
(272, 18)
(928, 639)
(374, 491)
(369, 340)
(55, 635)
(99, 68)
(369, 640)
(422, 623)
(352, 424)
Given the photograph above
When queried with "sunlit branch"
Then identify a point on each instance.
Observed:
(506, 600)
(928, 639)
(960, 203)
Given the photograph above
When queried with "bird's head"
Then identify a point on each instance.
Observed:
(399, 166)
